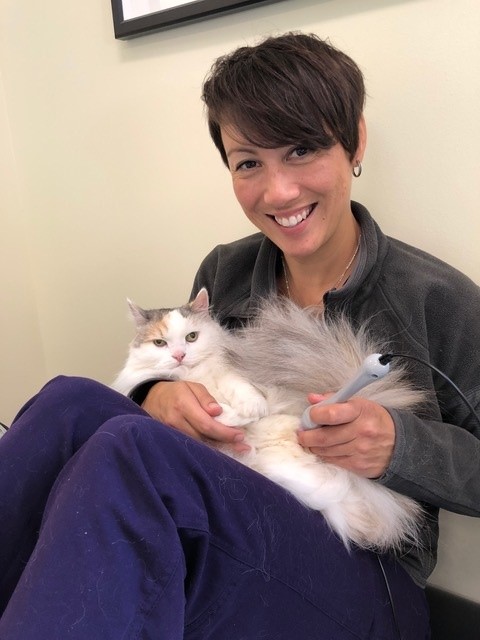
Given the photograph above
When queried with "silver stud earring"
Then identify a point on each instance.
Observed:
(357, 169)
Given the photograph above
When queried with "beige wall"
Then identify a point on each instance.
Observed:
(21, 356)
(111, 187)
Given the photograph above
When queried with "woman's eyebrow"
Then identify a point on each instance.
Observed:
(240, 150)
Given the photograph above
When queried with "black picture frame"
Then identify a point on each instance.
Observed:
(187, 12)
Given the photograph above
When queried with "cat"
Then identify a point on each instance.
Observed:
(261, 376)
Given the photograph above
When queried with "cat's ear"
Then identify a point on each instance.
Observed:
(138, 315)
(201, 302)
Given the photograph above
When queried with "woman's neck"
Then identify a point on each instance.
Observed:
(306, 280)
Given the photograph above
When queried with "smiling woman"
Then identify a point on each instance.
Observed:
(299, 198)
(286, 117)
(292, 174)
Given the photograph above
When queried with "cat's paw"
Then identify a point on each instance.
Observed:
(254, 407)
(246, 399)
(232, 418)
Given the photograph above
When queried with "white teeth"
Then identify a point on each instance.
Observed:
(292, 221)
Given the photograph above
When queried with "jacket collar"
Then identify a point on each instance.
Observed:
(373, 250)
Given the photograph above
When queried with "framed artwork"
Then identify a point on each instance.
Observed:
(133, 18)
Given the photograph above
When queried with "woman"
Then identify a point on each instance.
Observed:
(144, 532)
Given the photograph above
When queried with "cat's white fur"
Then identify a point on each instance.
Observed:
(261, 377)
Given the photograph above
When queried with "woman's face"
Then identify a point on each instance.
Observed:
(298, 197)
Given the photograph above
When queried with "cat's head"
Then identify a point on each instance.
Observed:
(168, 339)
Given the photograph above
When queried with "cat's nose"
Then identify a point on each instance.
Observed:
(179, 355)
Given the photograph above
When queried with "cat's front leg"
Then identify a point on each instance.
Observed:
(244, 398)
(231, 417)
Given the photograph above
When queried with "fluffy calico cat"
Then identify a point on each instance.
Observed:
(261, 377)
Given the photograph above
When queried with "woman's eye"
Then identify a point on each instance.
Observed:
(245, 165)
(191, 337)
(300, 152)
(158, 342)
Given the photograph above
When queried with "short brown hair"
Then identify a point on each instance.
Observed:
(289, 89)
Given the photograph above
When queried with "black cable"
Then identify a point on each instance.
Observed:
(390, 597)
(387, 357)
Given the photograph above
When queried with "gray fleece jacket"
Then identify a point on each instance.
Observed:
(423, 308)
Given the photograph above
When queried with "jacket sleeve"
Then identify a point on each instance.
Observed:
(433, 315)
(437, 455)
(437, 462)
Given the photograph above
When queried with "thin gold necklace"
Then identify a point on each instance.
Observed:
(337, 282)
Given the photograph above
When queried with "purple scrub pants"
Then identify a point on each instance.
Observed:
(114, 527)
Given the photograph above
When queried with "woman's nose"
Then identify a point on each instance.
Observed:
(280, 188)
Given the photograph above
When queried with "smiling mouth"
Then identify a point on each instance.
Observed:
(294, 220)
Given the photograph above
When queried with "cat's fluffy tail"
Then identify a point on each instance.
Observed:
(297, 352)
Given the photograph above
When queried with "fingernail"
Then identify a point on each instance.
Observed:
(243, 448)
(240, 437)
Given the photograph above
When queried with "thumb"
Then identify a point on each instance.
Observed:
(313, 398)
(207, 401)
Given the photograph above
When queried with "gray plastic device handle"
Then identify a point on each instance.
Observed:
(372, 369)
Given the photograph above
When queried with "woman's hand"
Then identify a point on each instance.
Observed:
(189, 407)
(358, 435)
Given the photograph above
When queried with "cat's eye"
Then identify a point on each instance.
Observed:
(159, 342)
(191, 337)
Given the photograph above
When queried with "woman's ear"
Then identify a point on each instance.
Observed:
(362, 139)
